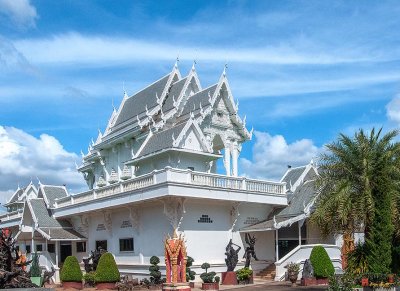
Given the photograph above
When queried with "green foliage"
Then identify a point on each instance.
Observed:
(35, 267)
(89, 279)
(190, 275)
(107, 270)
(71, 271)
(244, 274)
(207, 277)
(322, 264)
(357, 261)
(341, 283)
(217, 279)
(155, 274)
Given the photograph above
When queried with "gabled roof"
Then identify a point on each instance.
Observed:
(51, 193)
(20, 194)
(61, 234)
(42, 216)
(201, 97)
(173, 94)
(292, 175)
(136, 104)
(15, 196)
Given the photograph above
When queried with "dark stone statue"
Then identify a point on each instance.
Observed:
(47, 276)
(92, 261)
(12, 269)
(249, 252)
(308, 271)
(232, 257)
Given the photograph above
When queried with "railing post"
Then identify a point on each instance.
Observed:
(72, 199)
(244, 183)
(94, 194)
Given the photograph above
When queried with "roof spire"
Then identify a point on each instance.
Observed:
(225, 67)
(40, 183)
(194, 65)
(176, 62)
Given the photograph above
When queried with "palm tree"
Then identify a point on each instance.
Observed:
(354, 173)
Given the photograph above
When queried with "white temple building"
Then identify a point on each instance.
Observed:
(153, 170)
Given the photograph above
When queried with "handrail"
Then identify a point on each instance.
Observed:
(183, 176)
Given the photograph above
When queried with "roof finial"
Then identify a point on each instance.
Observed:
(194, 65)
(40, 183)
(82, 154)
(176, 62)
(225, 67)
(18, 188)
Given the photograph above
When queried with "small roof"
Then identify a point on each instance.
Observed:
(42, 215)
(173, 94)
(292, 175)
(136, 104)
(200, 97)
(51, 193)
(61, 234)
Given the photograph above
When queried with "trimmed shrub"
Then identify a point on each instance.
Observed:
(190, 275)
(244, 274)
(89, 279)
(207, 277)
(322, 264)
(71, 271)
(35, 268)
(155, 274)
(107, 270)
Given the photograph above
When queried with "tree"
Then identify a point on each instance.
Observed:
(358, 182)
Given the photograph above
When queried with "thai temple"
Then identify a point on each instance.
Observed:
(154, 170)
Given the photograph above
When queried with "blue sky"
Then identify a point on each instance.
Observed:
(303, 71)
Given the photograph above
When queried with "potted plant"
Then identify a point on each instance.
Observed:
(209, 282)
(107, 273)
(244, 275)
(36, 273)
(322, 265)
(293, 272)
(71, 274)
(190, 275)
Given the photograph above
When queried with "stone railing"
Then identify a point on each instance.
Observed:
(186, 177)
(10, 215)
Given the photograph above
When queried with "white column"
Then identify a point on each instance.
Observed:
(235, 156)
(299, 227)
(228, 158)
(57, 249)
(33, 241)
(276, 245)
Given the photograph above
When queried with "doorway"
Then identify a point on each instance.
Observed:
(65, 251)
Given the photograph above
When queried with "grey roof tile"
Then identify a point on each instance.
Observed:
(16, 195)
(161, 140)
(293, 175)
(54, 192)
(196, 99)
(43, 215)
(137, 103)
(174, 93)
(61, 234)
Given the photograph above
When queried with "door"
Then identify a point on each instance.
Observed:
(65, 251)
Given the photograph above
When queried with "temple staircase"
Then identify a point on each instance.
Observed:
(267, 273)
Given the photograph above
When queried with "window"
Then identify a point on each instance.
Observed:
(51, 248)
(126, 245)
(102, 244)
(28, 249)
(39, 248)
(81, 247)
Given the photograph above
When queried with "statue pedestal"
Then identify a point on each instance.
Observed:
(229, 278)
(176, 286)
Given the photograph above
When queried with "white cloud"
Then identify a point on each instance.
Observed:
(24, 157)
(21, 12)
(393, 109)
(76, 48)
(272, 155)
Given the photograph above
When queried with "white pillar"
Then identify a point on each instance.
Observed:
(235, 156)
(276, 245)
(228, 158)
(299, 227)
(33, 242)
(57, 243)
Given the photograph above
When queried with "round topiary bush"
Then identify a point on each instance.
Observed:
(322, 264)
(107, 270)
(71, 271)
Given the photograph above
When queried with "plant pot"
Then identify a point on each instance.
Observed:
(210, 286)
(229, 278)
(293, 277)
(74, 285)
(37, 281)
(106, 285)
(322, 281)
(191, 284)
(390, 278)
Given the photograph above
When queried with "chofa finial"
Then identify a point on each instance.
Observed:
(225, 67)
(176, 62)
